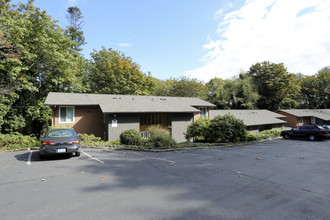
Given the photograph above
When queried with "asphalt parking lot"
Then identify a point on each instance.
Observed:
(280, 179)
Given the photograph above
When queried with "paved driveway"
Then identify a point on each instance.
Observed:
(281, 179)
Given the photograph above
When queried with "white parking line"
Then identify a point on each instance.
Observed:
(100, 161)
(155, 158)
(29, 158)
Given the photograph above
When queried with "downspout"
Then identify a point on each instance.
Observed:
(54, 116)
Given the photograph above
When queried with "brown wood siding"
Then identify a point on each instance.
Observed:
(292, 121)
(87, 119)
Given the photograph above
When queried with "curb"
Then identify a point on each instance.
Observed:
(162, 150)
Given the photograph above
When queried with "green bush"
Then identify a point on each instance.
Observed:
(198, 130)
(250, 136)
(159, 137)
(89, 140)
(226, 128)
(263, 134)
(130, 137)
(17, 141)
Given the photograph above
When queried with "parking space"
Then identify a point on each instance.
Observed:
(279, 179)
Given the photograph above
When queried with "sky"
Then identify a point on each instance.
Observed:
(203, 39)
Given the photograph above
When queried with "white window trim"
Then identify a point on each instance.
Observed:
(200, 113)
(59, 115)
(300, 120)
(313, 120)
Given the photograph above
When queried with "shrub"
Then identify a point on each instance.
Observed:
(263, 135)
(89, 140)
(199, 130)
(227, 128)
(251, 137)
(130, 137)
(17, 141)
(159, 137)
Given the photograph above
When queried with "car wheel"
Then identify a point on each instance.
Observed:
(286, 136)
(77, 154)
(312, 138)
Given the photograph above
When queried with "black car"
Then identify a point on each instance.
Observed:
(312, 132)
(60, 141)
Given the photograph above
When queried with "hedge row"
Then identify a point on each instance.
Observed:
(89, 140)
(159, 138)
(17, 141)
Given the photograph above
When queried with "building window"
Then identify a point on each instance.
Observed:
(67, 114)
(300, 120)
(203, 112)
(313, 120)
(151, 119)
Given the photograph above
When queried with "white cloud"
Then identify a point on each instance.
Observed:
(294, 32)
(72, 2)
(125, 44)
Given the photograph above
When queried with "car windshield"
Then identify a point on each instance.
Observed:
(61, 133)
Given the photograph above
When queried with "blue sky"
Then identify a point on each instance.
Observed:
(205, 39)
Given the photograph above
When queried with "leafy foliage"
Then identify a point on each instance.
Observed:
(17, 141)
(114, 73)
(181, 87)
(315, 90)
(221, 129)
(276, 87)
(227, 128)
(130, 137)
(239, 93)
(36, 60)
(199, 129)
(159, 138)
(220, 92)
(74, 30)
(92, 141)
(273, 133)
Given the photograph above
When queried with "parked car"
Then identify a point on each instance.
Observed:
(312, 132)
(327, 130)
(60, 141)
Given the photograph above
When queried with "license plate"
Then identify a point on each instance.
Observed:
(60, 150)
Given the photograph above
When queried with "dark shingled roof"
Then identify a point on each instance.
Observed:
(127, 103)
(323, 114)
(252, 117)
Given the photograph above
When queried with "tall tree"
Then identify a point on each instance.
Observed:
(315, 90)
(323, 78)
(277, 88)
(186, 87)
(74, 30)
(246, 95)
(163, 87)
(35, 61)
(220, 93)
(113, 72)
